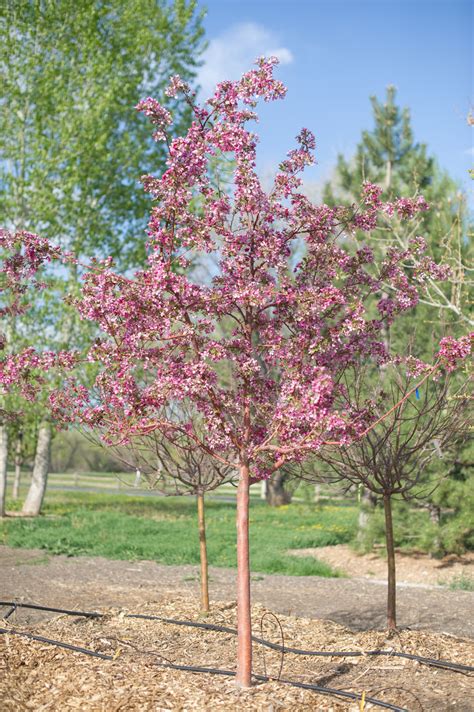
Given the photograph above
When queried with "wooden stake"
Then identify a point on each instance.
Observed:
(203, 554)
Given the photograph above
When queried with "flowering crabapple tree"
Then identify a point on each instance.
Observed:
(259, 351)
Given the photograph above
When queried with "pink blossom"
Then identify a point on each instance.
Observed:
(176, 86)
(158, 115)
(454, 350)
(371, 195)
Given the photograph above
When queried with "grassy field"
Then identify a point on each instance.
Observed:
(111, 483)
(164, 529)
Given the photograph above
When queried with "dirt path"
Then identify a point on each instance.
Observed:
(92, 583)
(413, 568)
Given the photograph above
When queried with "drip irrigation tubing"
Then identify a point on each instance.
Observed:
(57, 643)
(334, 692)
(456, 667)
(38, 607)
(433, 662)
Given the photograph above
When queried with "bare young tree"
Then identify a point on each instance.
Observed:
(391, 459)
(175, 466)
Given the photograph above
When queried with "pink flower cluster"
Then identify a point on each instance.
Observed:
(24, 254)
(26, 370)
(371, 194)
(158, 115)
(452, 351)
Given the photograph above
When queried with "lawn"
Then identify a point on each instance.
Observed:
(165, 530)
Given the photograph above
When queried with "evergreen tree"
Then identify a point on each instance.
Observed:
(389, 156)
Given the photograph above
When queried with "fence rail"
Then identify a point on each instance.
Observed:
(127, 483)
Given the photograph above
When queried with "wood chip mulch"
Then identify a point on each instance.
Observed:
(37, 676)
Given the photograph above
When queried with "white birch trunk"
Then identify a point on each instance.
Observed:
(3, 466)
(18, 463)
(35, 496)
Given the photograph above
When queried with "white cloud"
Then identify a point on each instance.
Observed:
(469, 151)
(234, 51)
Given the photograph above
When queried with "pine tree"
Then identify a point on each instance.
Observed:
(387, 155)
(390, 157)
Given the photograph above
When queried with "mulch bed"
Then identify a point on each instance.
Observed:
(38, 676)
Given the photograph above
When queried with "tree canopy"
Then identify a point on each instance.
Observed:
(72, 148)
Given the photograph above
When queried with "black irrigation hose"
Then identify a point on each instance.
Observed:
(315, 653)
(37, 607)
(9, 612)
(304, 685)
(335, 693)
(211, 671)
(455, 667)
(57, 643)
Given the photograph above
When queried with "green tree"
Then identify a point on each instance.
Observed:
(390, 157)
(72, 146)
(387, 155)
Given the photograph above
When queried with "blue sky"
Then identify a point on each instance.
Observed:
(335, 54)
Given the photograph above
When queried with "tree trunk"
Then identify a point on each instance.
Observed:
(276, 493)
(3, 466)
(435, 514)
(388, 175)
(34, 498)
(391, 591)
(435, 518)
(18, 462)
(244, 624)
(203, 554)
(317, 494)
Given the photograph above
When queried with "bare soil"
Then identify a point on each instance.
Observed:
(413, 568)
(360, 604)
(315, 613)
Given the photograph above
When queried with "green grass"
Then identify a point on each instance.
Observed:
(462, 583)
(165, 530)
